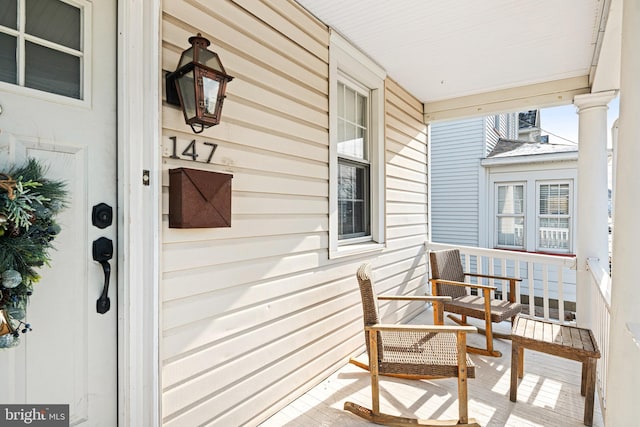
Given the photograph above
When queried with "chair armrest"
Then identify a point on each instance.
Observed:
(415, 298)
(381, 327)
(471, 285)
(488, 276)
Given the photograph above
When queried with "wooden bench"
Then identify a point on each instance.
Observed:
(565, 341)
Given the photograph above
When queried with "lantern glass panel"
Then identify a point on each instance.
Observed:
(211, 88)
(186, 57)
(210, 59)
(186, 88)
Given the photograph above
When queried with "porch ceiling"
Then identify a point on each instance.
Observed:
(449, 53)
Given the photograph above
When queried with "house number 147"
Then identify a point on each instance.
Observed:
(190, 152)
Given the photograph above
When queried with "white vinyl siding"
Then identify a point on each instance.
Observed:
(459, 192)
(456, 150)
(255, 314)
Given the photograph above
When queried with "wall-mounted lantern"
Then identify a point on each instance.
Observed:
(198, 85)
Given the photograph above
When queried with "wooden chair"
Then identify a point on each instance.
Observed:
(448, 278)
(415, 352)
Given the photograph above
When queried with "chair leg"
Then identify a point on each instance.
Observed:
(463, 414)
(375, 380)
(487, 322)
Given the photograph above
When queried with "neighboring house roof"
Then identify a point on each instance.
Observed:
(515, 151)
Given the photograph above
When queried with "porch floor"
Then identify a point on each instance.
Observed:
(548, 395)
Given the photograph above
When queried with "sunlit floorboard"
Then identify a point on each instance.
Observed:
(548, 395)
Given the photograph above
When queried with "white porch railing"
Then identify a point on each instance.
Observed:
(601, 316)
(548, 281)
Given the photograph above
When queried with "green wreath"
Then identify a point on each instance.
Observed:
(29, 203)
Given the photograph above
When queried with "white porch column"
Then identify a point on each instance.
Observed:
(624, 354)
(592, 212)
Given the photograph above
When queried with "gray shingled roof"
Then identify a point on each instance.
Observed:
(513, 148)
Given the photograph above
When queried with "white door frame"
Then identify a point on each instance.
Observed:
(139, 212)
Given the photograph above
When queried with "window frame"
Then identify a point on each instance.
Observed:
(84, 54)
(569, 216)
(364, 162)
(497, 215)
(350, 66)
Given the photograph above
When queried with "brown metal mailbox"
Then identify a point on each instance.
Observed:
(199, 199)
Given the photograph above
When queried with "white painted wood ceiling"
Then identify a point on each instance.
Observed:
(445, 49)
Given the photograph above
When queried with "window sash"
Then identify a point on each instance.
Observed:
(554, 216)
(354, 175)
(353, 200)
(510, 215)
(353, 119)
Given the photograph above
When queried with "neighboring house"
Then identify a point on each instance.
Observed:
(458, 182)
(502, 192)
(531, 196)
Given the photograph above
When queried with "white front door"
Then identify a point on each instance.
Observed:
(58, 105)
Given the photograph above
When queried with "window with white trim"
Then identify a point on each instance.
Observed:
(554, 216)
(356, 164)
(42, 45)
(354, 197)
(510, 215)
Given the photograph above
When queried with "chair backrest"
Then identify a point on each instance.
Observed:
(447, 265)
(369, 303)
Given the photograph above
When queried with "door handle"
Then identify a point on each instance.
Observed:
(102, 253)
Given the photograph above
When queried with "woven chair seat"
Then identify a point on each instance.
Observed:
(415, 353)
(473, 306)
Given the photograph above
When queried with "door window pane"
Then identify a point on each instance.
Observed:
(8, 66)
(9, 13)
(54, 21)
(52, 71)
(44, 48)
